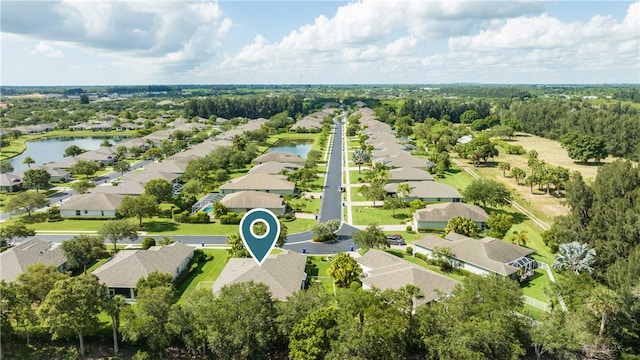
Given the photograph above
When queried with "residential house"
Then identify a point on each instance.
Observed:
(105, 155)
(243, 201)
(427, 191)
(283, 157)
(122, 272)
(403, 159)
(276, 184)
(484, 256)
(15, 260)
(66, 163)
(283, 273)
(274, 168)
(131, 188)
(10, 182)
(400, 175)
(91, 205)
(388, 272)
(57, 174)
(436, 216)
(145, 176)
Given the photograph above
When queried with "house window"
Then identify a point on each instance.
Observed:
(102, 213)
(86, 212)
(77, 212)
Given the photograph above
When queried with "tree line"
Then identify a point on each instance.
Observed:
(251, 107)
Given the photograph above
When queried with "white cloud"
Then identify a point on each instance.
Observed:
(46, 49)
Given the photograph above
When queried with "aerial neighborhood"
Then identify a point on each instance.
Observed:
(416, 215)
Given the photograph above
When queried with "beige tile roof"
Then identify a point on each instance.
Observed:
(128, 266)
(446, 211)
(282, 273)
(17, 259)
(283, 157)
(273, 167)
(488, 253)
(409, 174)
(93, 201)
(259, 182)
(403, 160)
(391, 272)
(123, 188)
(252, 199)
(148, 175)
(427, 189)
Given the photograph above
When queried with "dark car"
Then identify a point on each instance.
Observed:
(395, 240)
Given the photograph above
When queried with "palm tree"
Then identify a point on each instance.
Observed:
(576, 257)
(113, 305)
(380, 173)
(28, 161)
(519, 237)
(238, 142)
(518, 173)
(504, 166)
(360, 157)
(414, 293)
(404, 189)
(604, 301)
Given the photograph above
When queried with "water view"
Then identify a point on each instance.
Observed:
(299, 147)
(52, 149)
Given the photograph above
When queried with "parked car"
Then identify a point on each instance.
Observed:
(394, 240)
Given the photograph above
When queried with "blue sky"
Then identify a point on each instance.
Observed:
(91, 42)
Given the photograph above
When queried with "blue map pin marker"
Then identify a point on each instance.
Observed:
(259, 246)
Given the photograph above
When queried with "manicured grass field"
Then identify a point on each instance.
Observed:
(311, 206)
(403, 255)
(354, 175)
(158, 226)
(207, 272)
(534, 287)
(319, 271)
(457, 178)
(364, 215)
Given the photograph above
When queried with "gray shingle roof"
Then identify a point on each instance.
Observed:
(488, 253)
(282, 273)
(128, 266)
(123, 188)
(391, 272)
(93, 201)
(283, 157)
(252, 199)
(17, 259)
(409, 174)
(427, 189)
(273, 167)
(259, 182)
(446, 211)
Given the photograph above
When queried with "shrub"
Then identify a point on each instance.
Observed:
(148, 242)
(231, 218)
(200, 218)
(193, 267)
(53, 214)
(355, 285)
(421, 256)
(409, 229)
(409, 250)
(288, 217)
(182, 217)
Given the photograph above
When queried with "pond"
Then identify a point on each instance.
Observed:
(299, 147)
(52, 149)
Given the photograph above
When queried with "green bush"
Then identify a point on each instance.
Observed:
(409, 229)
(231, 219)
(288, 217)
(148, 242)
(200, 217)
(409, 250)
(420, 256)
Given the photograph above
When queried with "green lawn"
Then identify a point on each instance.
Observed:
(354, 175)
(534, 286)
(319, 269)
(535, 240)
(207, 272)
(403, 255)
(98, 263)
(305, 205)
(364, 215)
(457, 178)
(156, 226)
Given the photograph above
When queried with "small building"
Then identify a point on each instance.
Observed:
(427, 191)
(484, 256)
(275, 184)
(283, 273)
(403, 159)
(436, 216)
(246, 200)
(274, 168)
(122, 272)
(91, 205)
(16, 260)
(10, 182)
(131, 188)
(386, 271)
